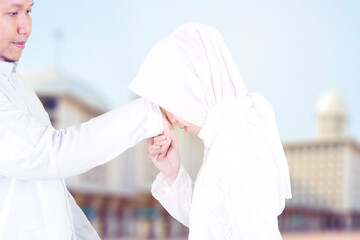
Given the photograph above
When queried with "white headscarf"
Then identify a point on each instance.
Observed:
(192, 74)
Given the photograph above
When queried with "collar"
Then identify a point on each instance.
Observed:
(6, 68)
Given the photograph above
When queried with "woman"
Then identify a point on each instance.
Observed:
(243, 182)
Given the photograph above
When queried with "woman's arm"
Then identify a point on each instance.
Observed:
(173, 186)
(30, 149)
(176, 199)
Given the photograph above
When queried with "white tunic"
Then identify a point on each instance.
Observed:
(235, 194)
(34, 158)
(243, 183)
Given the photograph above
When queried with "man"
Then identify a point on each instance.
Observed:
(34, 157)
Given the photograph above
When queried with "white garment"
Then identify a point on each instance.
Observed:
(34, 159)
(235, 196)
(242, 186)
(189, 72)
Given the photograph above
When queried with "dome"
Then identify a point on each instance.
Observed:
(55, 82)
(331, 104)
(331, 119)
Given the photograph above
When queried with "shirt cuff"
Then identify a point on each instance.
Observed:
(161, 188)
(154, 125)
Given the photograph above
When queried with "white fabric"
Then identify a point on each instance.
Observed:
(189, 72)
(192, 75)
(177, 198)
(235, 195)
(34, 159)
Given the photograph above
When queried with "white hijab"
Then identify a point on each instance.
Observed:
(192, 74)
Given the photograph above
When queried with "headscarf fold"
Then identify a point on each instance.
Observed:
(192, 74)
(189, 72)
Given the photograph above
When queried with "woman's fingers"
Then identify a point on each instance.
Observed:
(152, 155)
(158, 140)
(157, 147)
(163, 153)
(159, 137)
(160, 143)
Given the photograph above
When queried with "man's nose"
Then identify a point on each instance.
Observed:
(25, 25)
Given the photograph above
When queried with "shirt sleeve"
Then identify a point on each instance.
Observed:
(30, 149)
(176, 199)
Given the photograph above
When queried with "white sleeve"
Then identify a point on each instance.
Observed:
(176, 199)
(30, 149)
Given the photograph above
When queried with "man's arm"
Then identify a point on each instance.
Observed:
(31, 150)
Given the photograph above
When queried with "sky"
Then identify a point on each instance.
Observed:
(291, 52)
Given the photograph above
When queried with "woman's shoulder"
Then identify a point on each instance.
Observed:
(238, 142)
(238, 135)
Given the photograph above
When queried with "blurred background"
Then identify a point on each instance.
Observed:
(302, 55)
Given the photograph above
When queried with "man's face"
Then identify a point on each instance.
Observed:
(15, 28)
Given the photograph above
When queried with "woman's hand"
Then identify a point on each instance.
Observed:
(163, 151)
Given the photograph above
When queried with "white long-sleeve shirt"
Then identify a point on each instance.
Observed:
(235, 196)
(35, 157)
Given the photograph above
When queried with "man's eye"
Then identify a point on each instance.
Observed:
(13, 13)
(28, 11)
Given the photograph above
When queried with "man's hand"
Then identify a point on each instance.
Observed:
(167, 133)
(163, 151)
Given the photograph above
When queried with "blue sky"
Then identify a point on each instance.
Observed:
(289, 51)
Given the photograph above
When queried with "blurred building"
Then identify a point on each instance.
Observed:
(325, 173)
(115, 196)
